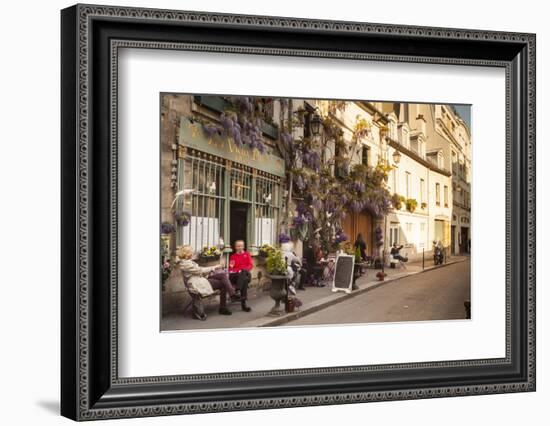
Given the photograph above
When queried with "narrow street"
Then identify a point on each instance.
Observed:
(433, 295)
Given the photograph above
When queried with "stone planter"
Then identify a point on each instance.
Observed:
(278, 293)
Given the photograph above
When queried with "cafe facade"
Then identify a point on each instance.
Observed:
(230, 193)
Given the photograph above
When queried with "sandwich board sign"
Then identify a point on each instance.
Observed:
(343, 273)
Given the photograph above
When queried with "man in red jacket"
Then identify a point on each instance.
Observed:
(240, 265)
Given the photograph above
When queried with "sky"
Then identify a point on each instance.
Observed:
(465, 113)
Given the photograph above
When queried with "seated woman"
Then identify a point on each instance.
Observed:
(195, 277)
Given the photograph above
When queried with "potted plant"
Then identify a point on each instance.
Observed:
(183, 218)
(397, 201)
(381, 275)
(411, 205)
(209, 254)
(265, 250)
(167, 228)
(277, 271)
(423, 205)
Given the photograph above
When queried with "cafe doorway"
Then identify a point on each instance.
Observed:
(239, 220)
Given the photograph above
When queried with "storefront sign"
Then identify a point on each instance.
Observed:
(343, 273)
(192, 135)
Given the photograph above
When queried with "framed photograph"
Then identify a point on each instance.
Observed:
(264, 212)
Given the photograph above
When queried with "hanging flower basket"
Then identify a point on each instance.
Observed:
(183, 218)
(398, 201)
(167, 228)
(411, 205)
(284, 238)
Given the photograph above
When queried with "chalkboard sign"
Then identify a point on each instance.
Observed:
(343, 273)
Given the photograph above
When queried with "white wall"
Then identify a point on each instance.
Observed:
(29, 225)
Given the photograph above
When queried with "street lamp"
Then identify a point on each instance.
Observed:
(396, 156)
(316, 124)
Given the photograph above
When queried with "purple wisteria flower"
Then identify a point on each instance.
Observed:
(311, 159)
(301, 208)
(283, 238)
(298, 221)
(211, 129)
(167, 228)
(356, 206)
(288, 141)
(378, 237)
(340, 237)
(317, 204)
(358, 187)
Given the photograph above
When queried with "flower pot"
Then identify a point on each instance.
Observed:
(278, 292)
(289, 305)
(206, 259)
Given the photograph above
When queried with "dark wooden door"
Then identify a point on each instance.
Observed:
(238, 222)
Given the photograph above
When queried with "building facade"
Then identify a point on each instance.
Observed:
(224, 191)
(421, 180)
(213, 189)
(457, 137)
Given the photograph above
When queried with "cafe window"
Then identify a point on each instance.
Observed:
(241, 185)
(266, 211)
(394, 233)
(204, 179)
(365, 155)
(236, 202)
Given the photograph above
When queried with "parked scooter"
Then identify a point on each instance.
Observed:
(438, 253)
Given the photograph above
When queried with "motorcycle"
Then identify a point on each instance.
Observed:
(438, 254)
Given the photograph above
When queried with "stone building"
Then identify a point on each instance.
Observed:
(421, 179)
(457, 135)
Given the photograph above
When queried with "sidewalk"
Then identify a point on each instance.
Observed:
(313, 299)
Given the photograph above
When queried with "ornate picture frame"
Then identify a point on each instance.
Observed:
(91, 37)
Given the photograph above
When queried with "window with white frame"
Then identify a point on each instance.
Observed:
(267, 211)
(394, 234)
(203, 181)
